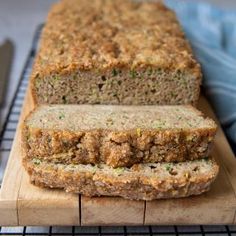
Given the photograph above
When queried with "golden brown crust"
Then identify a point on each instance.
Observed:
(117, 149)
(104, 34)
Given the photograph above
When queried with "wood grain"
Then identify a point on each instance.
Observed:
(24, 204)
(38, 206)
(13, 174)
(110, 211)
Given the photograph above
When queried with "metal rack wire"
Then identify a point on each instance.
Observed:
(126, 231)
(6, 139)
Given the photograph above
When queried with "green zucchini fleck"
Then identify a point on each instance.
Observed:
(93, 169)
(36, 161)
(159, 124)
(133, 74)
(61, 116)
(149, 71)
(168, 167)
(56, 77)
(119, 170)
(114, 72)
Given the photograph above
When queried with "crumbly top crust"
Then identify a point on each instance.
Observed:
(106, 34)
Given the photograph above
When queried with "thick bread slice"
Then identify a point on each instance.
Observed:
(117, 135)
(114, 52)
(140, 182)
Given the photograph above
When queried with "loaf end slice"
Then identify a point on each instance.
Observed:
(114, 52)
(117, 135)
(140, 182)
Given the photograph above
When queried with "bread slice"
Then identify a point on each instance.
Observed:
(140, 182)
(114, 52)
(116, 135)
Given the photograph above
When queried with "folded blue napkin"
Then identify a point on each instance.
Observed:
(212, 34)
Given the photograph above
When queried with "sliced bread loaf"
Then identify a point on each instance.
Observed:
(140, 182)
(117, 135)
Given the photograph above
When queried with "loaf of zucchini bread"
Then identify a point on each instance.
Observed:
(117, 135)
(114, 52)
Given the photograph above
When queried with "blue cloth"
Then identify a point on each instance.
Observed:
(212, 34)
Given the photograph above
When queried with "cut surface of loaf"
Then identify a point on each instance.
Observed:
(140, 182)
(116, 135)
(114, 52)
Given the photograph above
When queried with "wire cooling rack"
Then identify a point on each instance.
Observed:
(6, 138)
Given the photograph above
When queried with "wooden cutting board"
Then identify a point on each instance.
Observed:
(24, 204)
